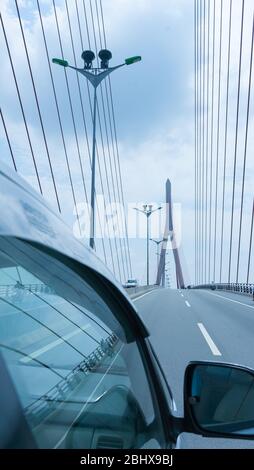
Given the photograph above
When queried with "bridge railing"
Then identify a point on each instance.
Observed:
(241, 288)
(9, 290)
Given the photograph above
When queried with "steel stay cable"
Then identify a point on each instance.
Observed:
(100, 127)
(123, 245)
(70, 101)
(195, 118)
(101, 134)
(108, 145)
(211, 149)
(8, 140)
(58, 115)
(226, 140)
(38, 106)
(207, 134)
(245, 150)
(116, 143)
(218, 144)
(89, 42)
(250, 243)
(236, 145)
(82, 109)
(21, 106)
(203, 134)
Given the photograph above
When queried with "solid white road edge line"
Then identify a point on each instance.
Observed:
(231, 300)
(143, 295)
(209, 340)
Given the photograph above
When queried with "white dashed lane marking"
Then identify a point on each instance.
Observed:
(209, 340)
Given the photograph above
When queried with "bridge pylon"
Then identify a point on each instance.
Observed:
(169, 235)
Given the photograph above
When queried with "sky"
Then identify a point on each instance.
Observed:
(154, 111)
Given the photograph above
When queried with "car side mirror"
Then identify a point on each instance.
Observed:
(219, 400)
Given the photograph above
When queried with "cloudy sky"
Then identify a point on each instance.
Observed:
(154, 108)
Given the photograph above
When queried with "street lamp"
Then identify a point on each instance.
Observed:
(158, 242)
(147, 211)
(95, 75)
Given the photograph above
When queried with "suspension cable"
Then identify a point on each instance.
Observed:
(199, 140)
(112, 141)
(218, 146)
(21, 107)
(116, 142)
(8, 140)
(207, 135)
(225, 140)
(89, 41)
(236, 145)
(38, 106)
(102, 142)
(58, 115)
(70, 100)
(200, 162)
(82, 106)
(211, 149)
(245, 151)
(96, 146)
(202, 119)
(250, 244)
(195, 117)
(100, 127)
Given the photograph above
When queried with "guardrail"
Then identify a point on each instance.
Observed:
(39, 409)
(8, 290)
(240, 288)
(135, 291)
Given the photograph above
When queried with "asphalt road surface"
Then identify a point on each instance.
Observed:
(198, 325)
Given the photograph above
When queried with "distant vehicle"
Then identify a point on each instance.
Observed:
(131, 283)
(77, 368)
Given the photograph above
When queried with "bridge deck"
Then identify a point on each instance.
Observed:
(198, 325)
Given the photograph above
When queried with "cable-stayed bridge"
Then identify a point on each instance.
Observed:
(214, 318)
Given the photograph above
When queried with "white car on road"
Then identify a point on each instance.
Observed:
(131, 283)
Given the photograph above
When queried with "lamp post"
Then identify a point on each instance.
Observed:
(95, 75)
(147, 211)
(166, 270)
(158, 242)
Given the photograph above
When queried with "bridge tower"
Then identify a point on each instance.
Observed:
(169, 234)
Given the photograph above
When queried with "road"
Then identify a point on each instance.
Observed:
(198, 325)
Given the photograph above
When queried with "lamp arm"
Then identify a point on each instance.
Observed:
(96, 78)
(139, 210)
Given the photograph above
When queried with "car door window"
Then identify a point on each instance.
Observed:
(80, 382)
